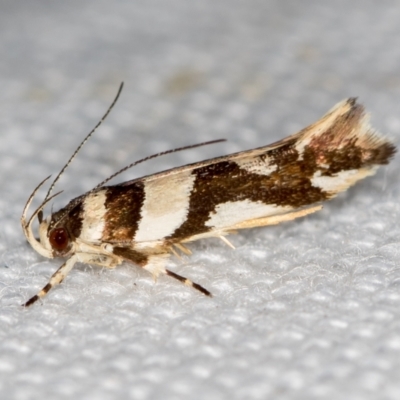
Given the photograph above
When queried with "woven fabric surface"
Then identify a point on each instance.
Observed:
(304, 310)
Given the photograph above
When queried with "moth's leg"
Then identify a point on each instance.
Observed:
(55, 279)
(155, 263)
(227, 242)
(188, 282)
(183, 248)
(63, 271)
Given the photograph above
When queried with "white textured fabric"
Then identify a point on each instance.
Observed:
(305, 310)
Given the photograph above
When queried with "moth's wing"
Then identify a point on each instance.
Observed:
(258, 187)
(255, 222)
(263, 186)
(344, 124)
(146, 217)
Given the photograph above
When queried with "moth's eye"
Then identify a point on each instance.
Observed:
(59, 239)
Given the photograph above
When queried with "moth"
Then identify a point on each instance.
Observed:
(145, 220)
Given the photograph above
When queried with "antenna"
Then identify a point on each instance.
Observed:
(74, 202)
(40, 214)
(163, 153)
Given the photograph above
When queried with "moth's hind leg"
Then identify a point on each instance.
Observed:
(155, 264)
(188, 282)
(55, 279)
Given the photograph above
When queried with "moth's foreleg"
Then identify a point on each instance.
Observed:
(188, 282)
(55, 279)
(87, 258)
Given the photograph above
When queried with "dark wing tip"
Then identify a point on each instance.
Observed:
(384, 153)
(352, 101)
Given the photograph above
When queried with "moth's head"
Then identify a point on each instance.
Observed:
(56, 237)
(54, 240)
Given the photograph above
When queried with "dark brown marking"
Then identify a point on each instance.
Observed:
(131, 255)
(32, 300)
(123, 205)
(337, 149)
(35, 298)
(201, 289)
(188, 281)
(225, 182)
(47, 288)
(342, 150)
(75, 220)
(380, 155)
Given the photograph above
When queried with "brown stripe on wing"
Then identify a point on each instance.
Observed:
(123, 205)
(225, 182)
(347, 144)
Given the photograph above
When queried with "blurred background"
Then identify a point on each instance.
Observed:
(306, 310)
